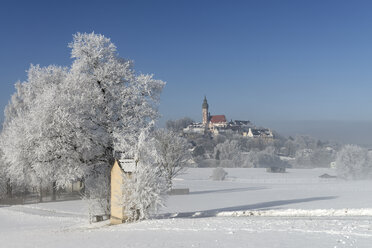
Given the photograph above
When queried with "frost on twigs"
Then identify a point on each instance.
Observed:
(144, 192)
(145, 189)
(173, 153)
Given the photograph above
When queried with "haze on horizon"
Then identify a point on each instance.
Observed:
(274, 63)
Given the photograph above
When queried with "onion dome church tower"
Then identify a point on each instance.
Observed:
(205, 111)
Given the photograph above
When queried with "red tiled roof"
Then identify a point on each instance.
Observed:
(218, 118)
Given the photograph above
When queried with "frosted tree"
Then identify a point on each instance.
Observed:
(229, 153)
(53, 150)
(64, 124)
(353, 162)
(14, 127)
(145, 189)
(111, 104)
(173, 153)
(26, 136)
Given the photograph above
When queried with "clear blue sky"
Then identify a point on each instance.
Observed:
(257, 60)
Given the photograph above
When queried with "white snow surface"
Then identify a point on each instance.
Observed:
(251, 208)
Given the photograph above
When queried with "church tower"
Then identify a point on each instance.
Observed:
(205, 111)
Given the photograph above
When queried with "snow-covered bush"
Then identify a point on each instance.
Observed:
(218, 174)
(353, 162)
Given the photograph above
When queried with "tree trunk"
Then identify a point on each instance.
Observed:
(40, 193)
(8, 188)
(54, 191)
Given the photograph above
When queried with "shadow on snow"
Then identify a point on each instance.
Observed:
(257, 206)
(232, 190)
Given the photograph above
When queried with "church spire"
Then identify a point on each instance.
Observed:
(205, 111)
(205, 103)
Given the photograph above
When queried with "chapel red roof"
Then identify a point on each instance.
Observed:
(218, 118)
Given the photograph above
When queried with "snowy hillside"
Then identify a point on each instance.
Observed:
(251, 208)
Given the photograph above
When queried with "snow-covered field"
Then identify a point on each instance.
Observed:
(251, 208)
